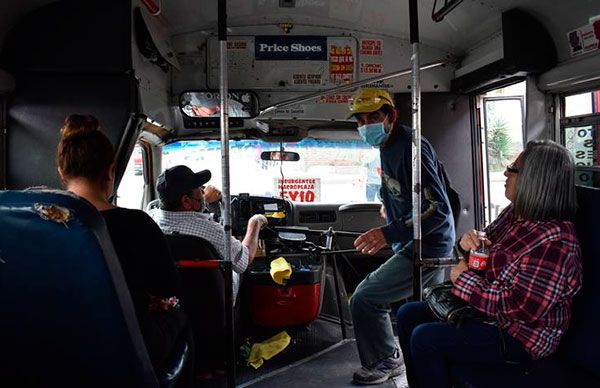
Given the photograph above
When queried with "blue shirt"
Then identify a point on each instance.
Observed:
(437, 223)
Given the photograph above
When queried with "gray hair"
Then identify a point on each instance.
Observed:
(546, 183)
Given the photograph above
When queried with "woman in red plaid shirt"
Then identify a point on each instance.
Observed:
(532, 274)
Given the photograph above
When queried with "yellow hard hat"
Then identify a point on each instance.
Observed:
(369, 100)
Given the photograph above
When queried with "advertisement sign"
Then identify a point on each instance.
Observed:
(299, 189)
(371, 68)
(581, 141)
(371, 47)
(341, 62)
(298, 48)
(584, 39)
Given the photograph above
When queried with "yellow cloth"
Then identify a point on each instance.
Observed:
(267, 349)
(275, 215)
(280, 270)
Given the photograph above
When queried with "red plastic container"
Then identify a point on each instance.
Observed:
(298, 303)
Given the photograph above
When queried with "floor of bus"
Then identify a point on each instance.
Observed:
(316, 357)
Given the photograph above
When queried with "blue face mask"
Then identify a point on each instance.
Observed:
(374, 134)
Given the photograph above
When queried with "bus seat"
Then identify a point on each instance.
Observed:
(576, 362)
(203, 295)
(68, 319)
(81, 67)
(33, 124)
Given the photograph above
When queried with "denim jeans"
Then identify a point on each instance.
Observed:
(370, 304)
(430, 346)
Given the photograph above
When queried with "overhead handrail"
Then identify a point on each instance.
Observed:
(448, 6)
(351, 86)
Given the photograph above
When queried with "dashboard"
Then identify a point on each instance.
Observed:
(243, 206)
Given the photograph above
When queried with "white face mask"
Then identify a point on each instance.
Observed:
(374, 134)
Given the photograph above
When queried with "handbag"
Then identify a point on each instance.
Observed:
(449, 308)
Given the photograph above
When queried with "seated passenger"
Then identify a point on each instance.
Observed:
(182, 199)
(533, 272)
(86, 167)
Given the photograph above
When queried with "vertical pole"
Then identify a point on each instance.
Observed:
(222, 26)
(416, 148)
(336, 275)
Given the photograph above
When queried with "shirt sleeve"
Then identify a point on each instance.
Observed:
(163, 276)
(239, 255)
(544, 276)
(434, 206)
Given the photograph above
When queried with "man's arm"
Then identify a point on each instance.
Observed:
(250, 241)
(434, 209)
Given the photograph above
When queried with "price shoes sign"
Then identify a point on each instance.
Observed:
(300, 48)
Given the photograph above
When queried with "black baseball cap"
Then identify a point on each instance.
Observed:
(175, 182)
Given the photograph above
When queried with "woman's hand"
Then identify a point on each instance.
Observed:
(458, 269)
(470, 240)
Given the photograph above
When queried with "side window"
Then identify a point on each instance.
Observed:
(503, 139)
(131, 189)
(580, 129)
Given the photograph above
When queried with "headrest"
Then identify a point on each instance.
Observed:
(68, 317)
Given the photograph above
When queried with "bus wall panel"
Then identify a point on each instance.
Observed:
(445, 122)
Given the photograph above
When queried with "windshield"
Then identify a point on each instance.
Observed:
(338, 171)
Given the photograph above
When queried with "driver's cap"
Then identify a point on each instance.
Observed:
(369, 100)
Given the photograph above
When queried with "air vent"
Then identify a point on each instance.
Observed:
(317, 217)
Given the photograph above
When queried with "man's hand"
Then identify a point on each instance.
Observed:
(470, 240)
(382, 213)
(259, 220)
(211, 194)
(458, 269)
(370, 242)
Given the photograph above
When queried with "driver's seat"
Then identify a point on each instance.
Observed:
(203, 295)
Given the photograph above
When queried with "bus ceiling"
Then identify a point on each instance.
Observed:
(286, 50)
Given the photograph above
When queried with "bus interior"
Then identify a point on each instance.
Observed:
(494, 75)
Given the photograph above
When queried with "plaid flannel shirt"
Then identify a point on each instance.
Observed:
(199, 224)
(533, 272)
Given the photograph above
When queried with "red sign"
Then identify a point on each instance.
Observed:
(371, 68)
(372, 47)
(341, 64)
(299, 189)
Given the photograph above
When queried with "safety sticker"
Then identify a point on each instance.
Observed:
(371, 47)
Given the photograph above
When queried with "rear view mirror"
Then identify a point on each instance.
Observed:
(278, 156)
(207, 104)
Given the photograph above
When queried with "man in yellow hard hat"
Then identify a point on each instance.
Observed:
(375, 113)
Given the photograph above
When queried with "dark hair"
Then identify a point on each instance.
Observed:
(546, 183)
(386, 109)
(84, 151)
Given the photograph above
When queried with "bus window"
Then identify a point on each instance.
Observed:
(580, 133)
(503, 134)
(131, 188)
(332, 171)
